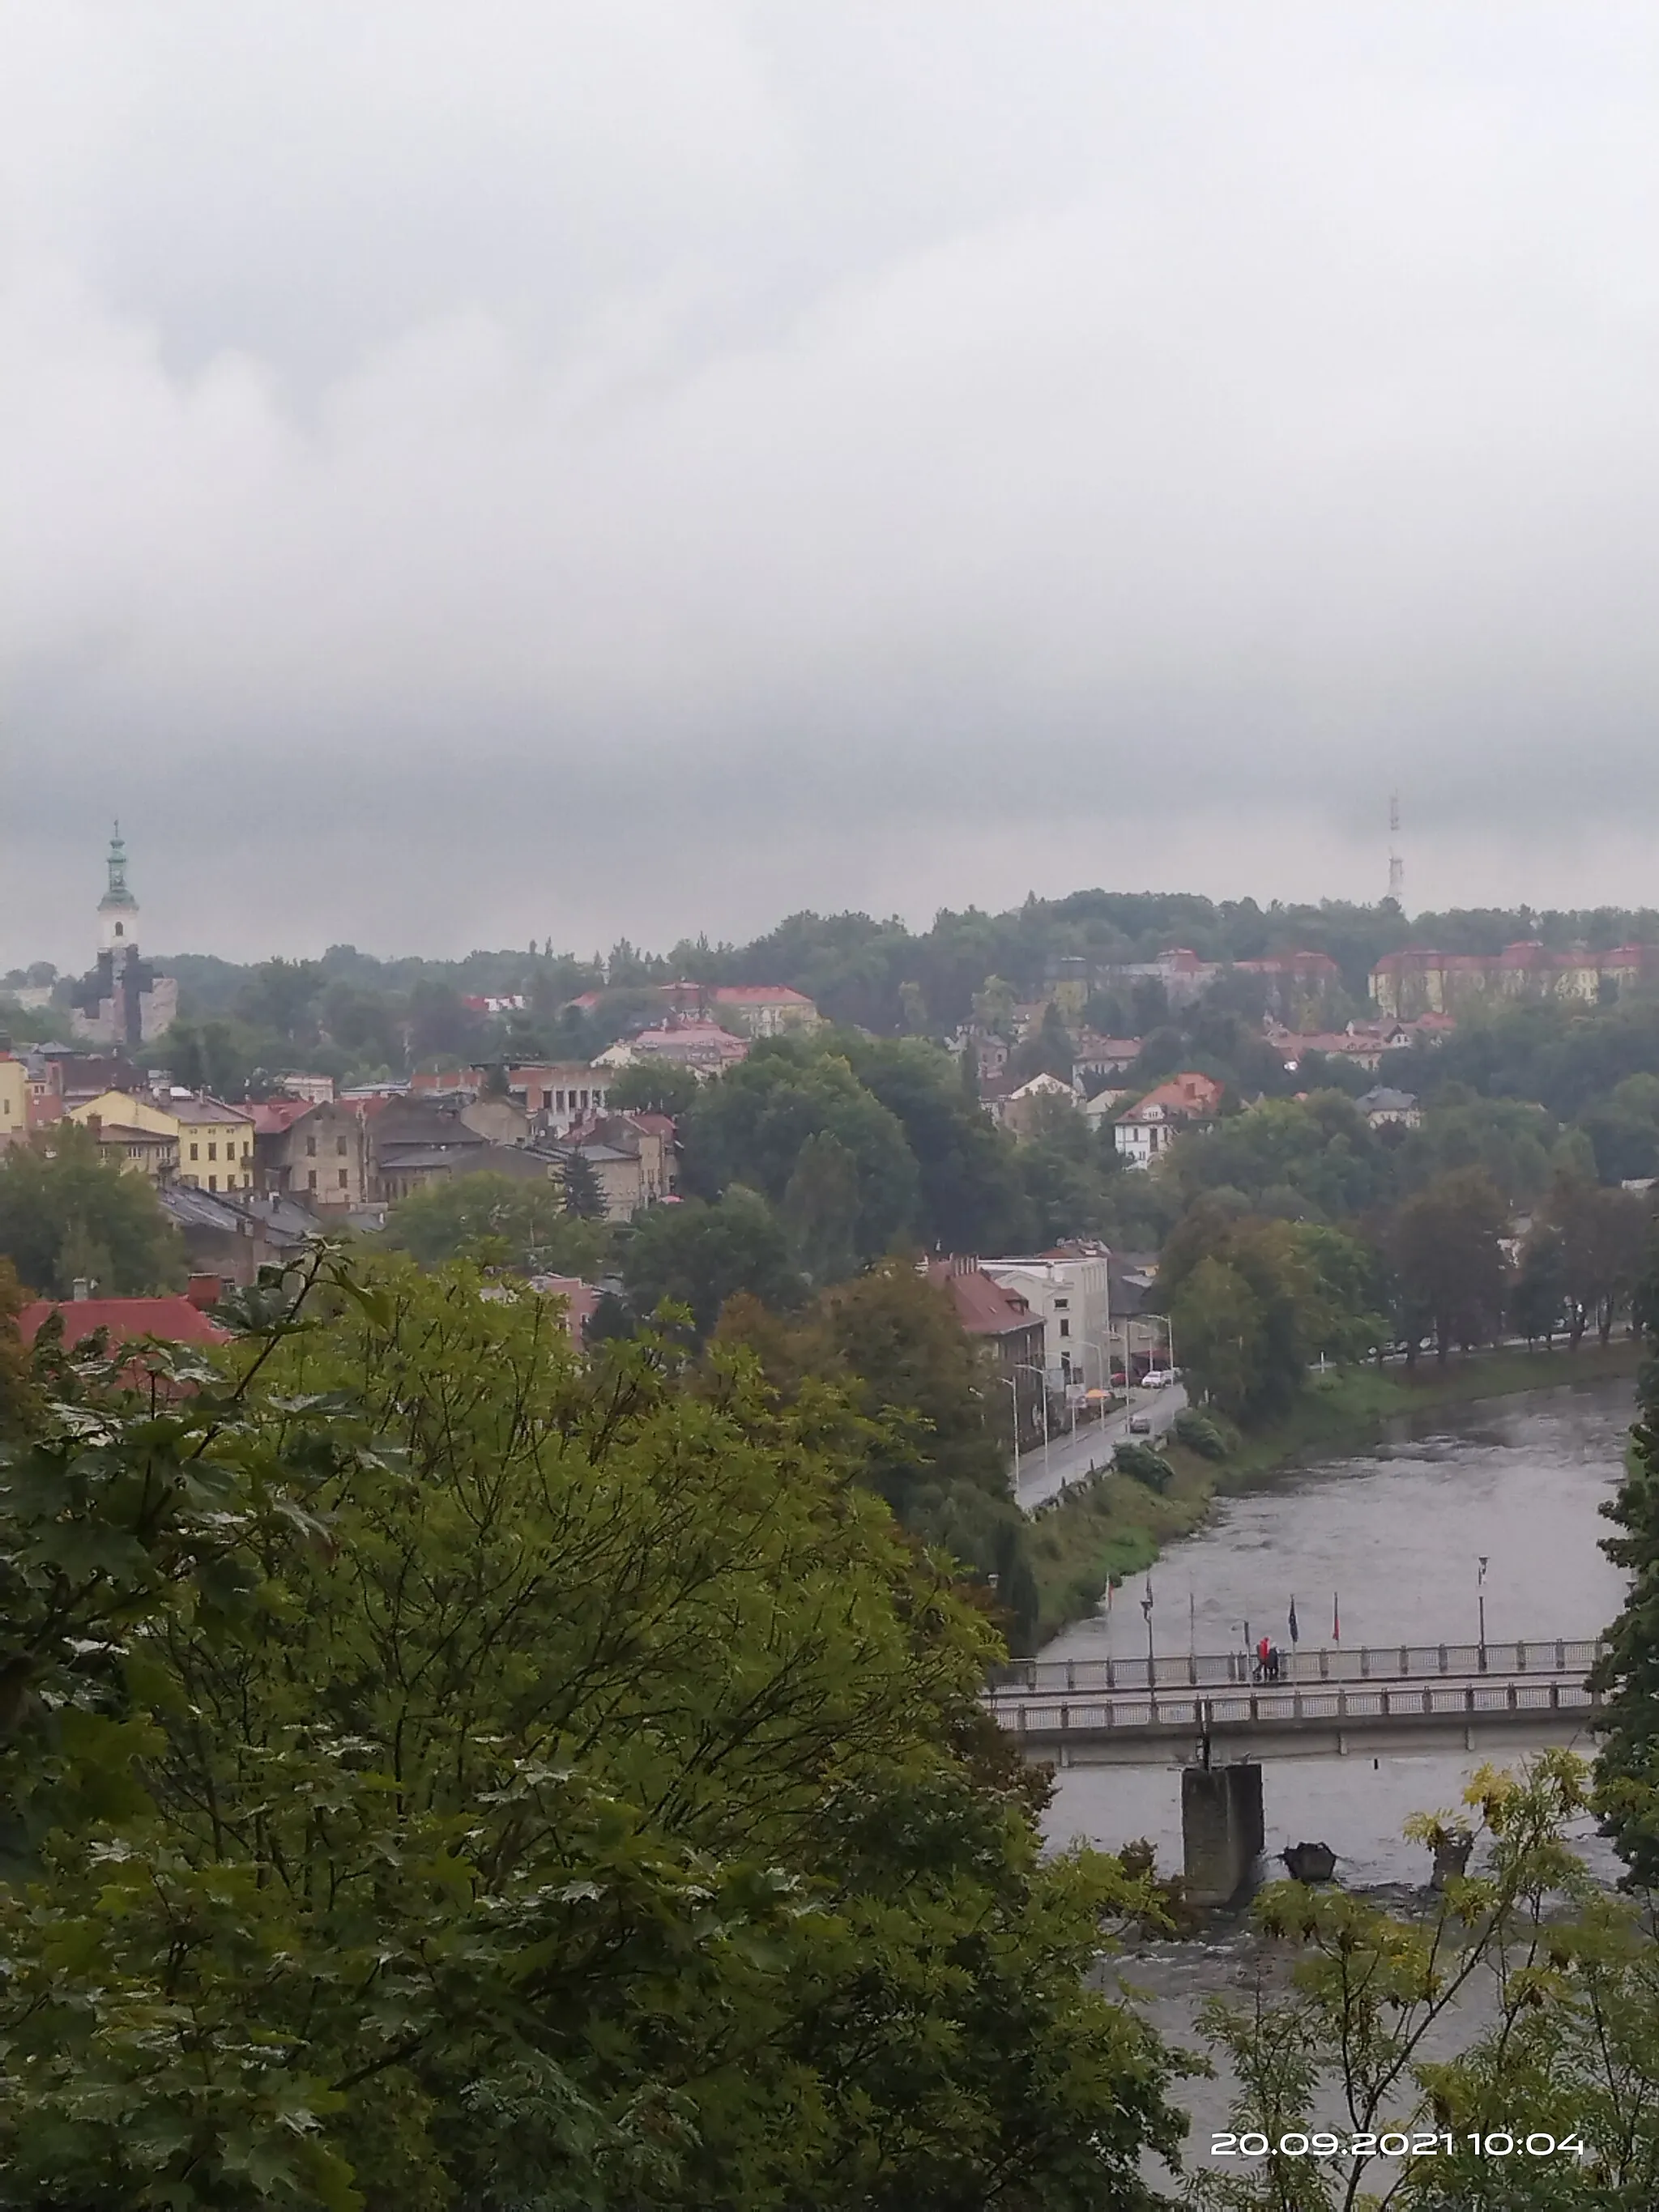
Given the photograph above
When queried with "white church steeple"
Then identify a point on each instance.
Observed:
(117, 909)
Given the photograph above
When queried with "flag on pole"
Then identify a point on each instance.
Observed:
(1295, 1634)
(1336, 1621)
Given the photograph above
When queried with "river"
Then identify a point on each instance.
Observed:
(1396, 1534)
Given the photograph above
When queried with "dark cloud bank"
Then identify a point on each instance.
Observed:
(580, 469)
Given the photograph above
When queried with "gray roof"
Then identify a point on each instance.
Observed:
(205, 1209)
(1381, 1100)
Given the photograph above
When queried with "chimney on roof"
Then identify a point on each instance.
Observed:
(79, 1290)
(204, 1292)
(96, 1123)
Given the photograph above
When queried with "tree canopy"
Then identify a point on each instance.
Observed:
(504, 1220)
(65, 1215)
(441, 1776)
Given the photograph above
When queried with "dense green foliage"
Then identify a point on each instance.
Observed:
(751, 1126)
(497, 1220)
(1628, 1772)
(1254, 1300)
(699, 1255)
(935, 1412)
(65, 1215)
(440, 1777)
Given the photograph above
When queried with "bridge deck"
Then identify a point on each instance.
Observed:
(1308, 1720)
(1302, 1668)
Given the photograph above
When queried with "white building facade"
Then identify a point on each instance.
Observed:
(1071, 1293)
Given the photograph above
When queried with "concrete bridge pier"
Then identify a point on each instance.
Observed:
(1221, 1829)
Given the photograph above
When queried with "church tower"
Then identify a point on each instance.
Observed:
(117, 909)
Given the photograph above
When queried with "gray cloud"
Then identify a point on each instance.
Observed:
(577, 468)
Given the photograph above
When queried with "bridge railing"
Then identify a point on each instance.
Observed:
(1298, 1665)
(1391, 1701)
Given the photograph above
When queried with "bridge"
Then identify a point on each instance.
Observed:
(1167, 1711)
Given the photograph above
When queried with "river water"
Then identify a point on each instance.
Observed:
(1395, 1535)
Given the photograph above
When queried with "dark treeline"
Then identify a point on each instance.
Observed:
(879, 974)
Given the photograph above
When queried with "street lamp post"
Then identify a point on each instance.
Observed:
(1025, 1367)
(1152, 1656)
(1481, 1599)
(1009, 1383)
(1168, 1340)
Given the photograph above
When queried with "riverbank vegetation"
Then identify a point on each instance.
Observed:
(440, 1773)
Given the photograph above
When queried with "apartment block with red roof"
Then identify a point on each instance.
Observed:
(1418, 981)
(763, 1010)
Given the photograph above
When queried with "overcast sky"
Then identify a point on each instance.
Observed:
(472, 471)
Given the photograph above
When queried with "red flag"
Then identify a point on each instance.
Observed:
(1336, 1621)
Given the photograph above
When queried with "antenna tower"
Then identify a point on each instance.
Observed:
(1396, 866)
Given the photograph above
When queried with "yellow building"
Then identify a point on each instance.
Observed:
(214, 1141)
(216, 1144)
(13, 1098)
(150, 1152)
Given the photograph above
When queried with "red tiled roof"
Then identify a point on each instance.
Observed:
(1187, 1093)
(275, 1117)
(1419, 956)
(759, 994)
(983, 1306)
(1291, 963)
(173, 1319)
(654, 1125)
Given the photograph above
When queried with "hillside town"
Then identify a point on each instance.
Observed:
(244, 1180)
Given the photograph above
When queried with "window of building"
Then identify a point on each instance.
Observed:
(213, 1182)
(1065, 1328)
(340, 1147)
(311, 1148)
(1061, 1304)
(342, 1179)
(213, 1151)
(311, 1180)
(192, 1152)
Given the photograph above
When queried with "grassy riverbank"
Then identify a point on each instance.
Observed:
(1118, 1527)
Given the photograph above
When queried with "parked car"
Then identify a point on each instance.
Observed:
(1155, 1378)
(1141, 1425)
